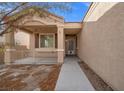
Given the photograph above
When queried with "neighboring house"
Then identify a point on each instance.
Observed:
(98, 40)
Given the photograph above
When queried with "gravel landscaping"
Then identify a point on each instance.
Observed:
(29, 77)
(95, 80)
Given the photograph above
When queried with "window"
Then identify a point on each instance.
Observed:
(47, 41)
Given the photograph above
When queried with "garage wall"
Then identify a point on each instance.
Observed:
(101, 42)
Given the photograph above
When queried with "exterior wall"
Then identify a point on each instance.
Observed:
(46, 54)
(22, 46)
(16, 37)
(101, 43)
(18, 53)
(22, 38)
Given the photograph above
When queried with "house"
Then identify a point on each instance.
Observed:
(98, 40)
(44, 34)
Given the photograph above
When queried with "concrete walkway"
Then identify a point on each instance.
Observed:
(72, 77)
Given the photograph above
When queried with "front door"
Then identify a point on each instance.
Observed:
(71, 46)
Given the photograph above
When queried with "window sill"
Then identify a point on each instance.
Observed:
(46, 49)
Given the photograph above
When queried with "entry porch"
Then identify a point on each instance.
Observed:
(45, 42)
(48, 44)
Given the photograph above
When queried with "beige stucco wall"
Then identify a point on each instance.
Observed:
(1, 57)
(14, 54)
(45, 54)
(2, 39)
(101, 43)
(22, 38)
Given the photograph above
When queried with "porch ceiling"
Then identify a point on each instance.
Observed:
(72, 31)
(72, 27)
(41, 28)
(49, 29)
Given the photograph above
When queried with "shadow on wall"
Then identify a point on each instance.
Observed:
(101, 46)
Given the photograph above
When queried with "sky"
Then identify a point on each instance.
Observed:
(79, 9)
(77, 13)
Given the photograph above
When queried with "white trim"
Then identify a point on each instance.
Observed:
(92, 8)
(47, 34)
(10, 49)
(46, 50)
(49, 49)
(60, 49)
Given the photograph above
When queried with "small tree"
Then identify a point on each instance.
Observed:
(8, 9)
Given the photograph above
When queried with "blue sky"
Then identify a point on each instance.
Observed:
(79, 9)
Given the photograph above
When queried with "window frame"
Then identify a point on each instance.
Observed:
(53, 34)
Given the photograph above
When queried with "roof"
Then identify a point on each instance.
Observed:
(15, 16)
(87, 11)
(27, 10)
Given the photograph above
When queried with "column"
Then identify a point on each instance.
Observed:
(32, 44)
(60, 33)
(9, 39)
(9, 47)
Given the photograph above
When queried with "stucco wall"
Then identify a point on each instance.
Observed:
(101, 43)
(45, 54)
(2, 39)
(14, 54)
(1, 57)
(22, 38)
